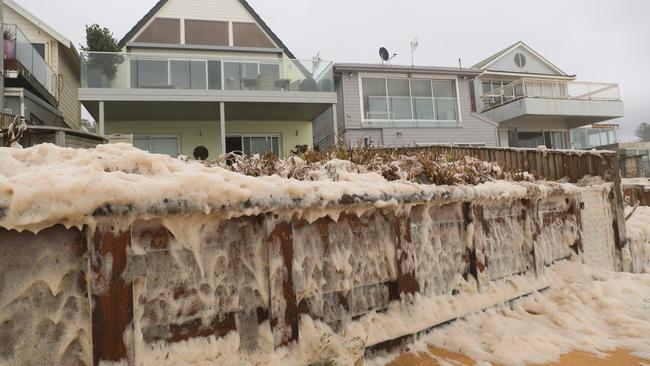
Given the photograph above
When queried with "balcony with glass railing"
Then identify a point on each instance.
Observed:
(21, 56)
(156, 71)
(550, 89)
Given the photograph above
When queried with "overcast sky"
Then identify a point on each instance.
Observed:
(599, 40)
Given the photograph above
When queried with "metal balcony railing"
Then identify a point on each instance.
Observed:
(549, 89)
(166, 71)
(18, 47)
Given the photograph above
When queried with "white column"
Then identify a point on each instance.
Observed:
(100, 127)
(222, 118)
(335, 125)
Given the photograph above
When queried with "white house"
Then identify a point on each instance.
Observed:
(535, 102)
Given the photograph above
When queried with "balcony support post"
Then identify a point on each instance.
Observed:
(222, 130)
(100, 127)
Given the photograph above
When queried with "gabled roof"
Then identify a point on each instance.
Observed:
(39, 23)
(485, 64)
(141, 23)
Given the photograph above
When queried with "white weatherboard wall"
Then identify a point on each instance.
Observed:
(35, 35)
(534, 65)
(206, 10)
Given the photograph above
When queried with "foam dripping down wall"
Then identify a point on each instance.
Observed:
(44, 308)
(254, 284)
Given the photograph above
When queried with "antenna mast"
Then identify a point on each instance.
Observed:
(414, 46)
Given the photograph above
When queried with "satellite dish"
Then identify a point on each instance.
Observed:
(383, 53)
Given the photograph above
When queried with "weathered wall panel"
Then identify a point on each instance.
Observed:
(44, 305)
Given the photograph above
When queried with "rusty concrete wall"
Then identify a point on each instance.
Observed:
(177, 277)
(44, 306)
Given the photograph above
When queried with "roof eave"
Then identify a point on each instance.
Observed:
(388, 68)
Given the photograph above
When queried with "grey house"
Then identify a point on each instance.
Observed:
(392, 105)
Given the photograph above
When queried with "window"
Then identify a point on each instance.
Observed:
(158, 144)
(162, 30)
(422, 100)
(253, 144)
(520, 60)
(40, 49)
(399, 99)
(149, 74)
(249, 35)
(214, 75)
(206, 32)
(444, 95)
(374, 98)
(550, 139)
(251, 76)
(185, 74)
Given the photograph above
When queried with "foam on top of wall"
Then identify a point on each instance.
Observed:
(46, 185)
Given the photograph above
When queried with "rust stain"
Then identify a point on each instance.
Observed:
(113, 309)
(282, 237)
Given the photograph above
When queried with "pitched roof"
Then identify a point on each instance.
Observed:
(141, 23)
(488, 61)
(39, 23)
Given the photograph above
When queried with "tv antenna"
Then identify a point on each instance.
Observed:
(316, 60)
(414, 46)
(385, 55)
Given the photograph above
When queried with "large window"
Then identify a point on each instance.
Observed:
(206, 32)
(550, 139)
(249, 35)
(420, 100)
(158, 144)
(253, 144)
(205, 74)
(162, 30)
(252, 76)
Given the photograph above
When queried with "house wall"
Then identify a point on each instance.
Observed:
(471, 130)
(35, 35)
(62, 63)
(323, 125)
(68, 89)
(224, 10)
(206, 10)
(206, 133)
(533, 64)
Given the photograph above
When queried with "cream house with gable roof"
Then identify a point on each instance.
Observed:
(535, 102)
(206, 73)
(41, 71)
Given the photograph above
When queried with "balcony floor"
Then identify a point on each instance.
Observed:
(180, 110)
(559, 113)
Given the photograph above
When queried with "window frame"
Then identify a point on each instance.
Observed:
(267, 135)
(189, 61)
(177, 136)
(413, 122)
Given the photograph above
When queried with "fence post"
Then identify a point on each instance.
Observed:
(618, 207)
(112, 295)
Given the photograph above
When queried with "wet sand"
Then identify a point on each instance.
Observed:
(618, 358)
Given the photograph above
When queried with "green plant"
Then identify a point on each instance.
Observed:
(9, 34)
(101, 39)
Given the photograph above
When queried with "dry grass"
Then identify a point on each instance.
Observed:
(432, 165)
